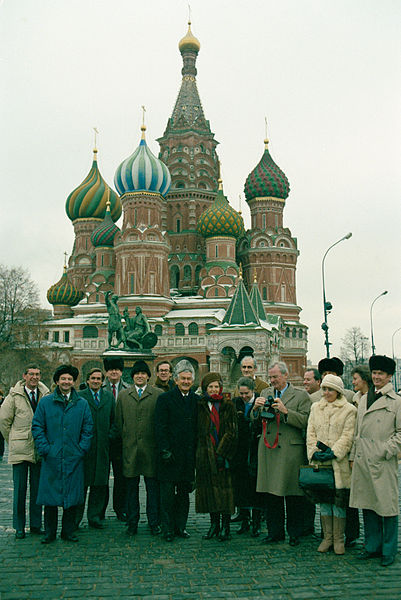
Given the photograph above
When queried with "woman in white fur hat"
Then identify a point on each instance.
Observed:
(332, 422)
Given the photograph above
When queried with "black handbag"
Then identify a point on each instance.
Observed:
(317, 478)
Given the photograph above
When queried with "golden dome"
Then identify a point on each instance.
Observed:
(189, 41)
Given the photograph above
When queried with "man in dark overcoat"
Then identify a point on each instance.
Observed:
(114, 383)
(97, 460)
(281, 452)
(135, 424)
(175, 430)
(62, 429)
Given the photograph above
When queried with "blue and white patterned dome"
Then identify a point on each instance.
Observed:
(142, 171)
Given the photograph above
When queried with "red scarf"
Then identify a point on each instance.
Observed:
(215, 399)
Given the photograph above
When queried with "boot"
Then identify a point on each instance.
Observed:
(327, 527)
(225, 529)
(338, 535)
(214, 528)
(245, 526)
(256, 518)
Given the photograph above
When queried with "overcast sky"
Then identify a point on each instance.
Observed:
(325, 73)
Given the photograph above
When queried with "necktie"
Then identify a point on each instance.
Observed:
(65, 399)
(140, 391)
(114, 390)
(97, 398)
(33, 400)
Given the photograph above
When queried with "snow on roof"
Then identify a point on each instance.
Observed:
(196, 313)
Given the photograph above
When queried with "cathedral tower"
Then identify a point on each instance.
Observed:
(188, 148)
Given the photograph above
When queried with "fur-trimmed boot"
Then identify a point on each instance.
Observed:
(214, 529)
(327, 526)
(338, 535)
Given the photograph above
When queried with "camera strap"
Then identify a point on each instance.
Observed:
(264, 425)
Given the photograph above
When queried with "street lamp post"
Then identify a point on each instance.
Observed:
(371, 320)
(394, 359)
(327, 306)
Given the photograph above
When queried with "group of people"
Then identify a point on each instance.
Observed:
(242, 452)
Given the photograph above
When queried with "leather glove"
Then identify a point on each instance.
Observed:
(167, 457)
(221, 462)
(324, 455)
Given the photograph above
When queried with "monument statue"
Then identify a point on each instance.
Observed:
(115, 325)
(137, 330)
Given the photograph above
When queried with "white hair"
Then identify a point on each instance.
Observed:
(281, 365)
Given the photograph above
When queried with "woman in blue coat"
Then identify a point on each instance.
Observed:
(62, 429)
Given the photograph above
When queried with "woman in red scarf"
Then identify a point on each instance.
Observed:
(217, 439)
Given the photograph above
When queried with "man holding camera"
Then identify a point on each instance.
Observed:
(283, 410)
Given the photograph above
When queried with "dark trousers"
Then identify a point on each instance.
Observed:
(21, 472)
(119, 487)
(96, 501)
(381, 533)
(352, 524)
(152, 500)
(67, 522)
(275, 515)
(309, 517)
(1, 445)
(174, 505)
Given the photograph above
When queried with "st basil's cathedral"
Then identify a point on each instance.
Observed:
(211, 291)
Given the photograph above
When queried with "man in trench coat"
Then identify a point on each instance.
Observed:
(135, 425)
(374, 482)
(62, 429)
(97, 460)
(280, 454)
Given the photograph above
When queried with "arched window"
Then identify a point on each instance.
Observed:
(300, 334)
(90, 331)
(187, 272)
(193, 329)
(158, 330)
(294, 333)
(174, 276)
(208, 327)
(264, 293)
(179, 329)
(287, 332)
(197, 274)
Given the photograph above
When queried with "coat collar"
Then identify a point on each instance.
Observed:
(387, 393)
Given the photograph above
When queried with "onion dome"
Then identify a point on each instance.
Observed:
(266, 179)
(189, 41)
(104, 234)
(88, 200)
(221, 219)
(63, 292)
(142, 171)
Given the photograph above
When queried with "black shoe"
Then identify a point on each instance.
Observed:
(182, 533)
(132, 529)
(386, 561)
(48, 539)
(213, 531)
(69, 537)
(245, 527)
(169, 536)
(36, 531)
(294, 541)
(272, 540)
(365, 555)
(350, 543)
(122, 517)
(156, 530)
(95, 524)
(19, 535)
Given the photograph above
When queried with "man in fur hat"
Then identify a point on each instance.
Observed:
(114, 383)
(62, 428)
(374, 483)
(135, 423)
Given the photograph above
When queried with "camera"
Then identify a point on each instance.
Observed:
(267, 411)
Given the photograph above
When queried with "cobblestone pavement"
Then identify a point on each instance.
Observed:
(108, 564)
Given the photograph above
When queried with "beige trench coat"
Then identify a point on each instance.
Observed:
(333, 423)
(374, 481)
(135, 424)
(278, 468)
(16, 416)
